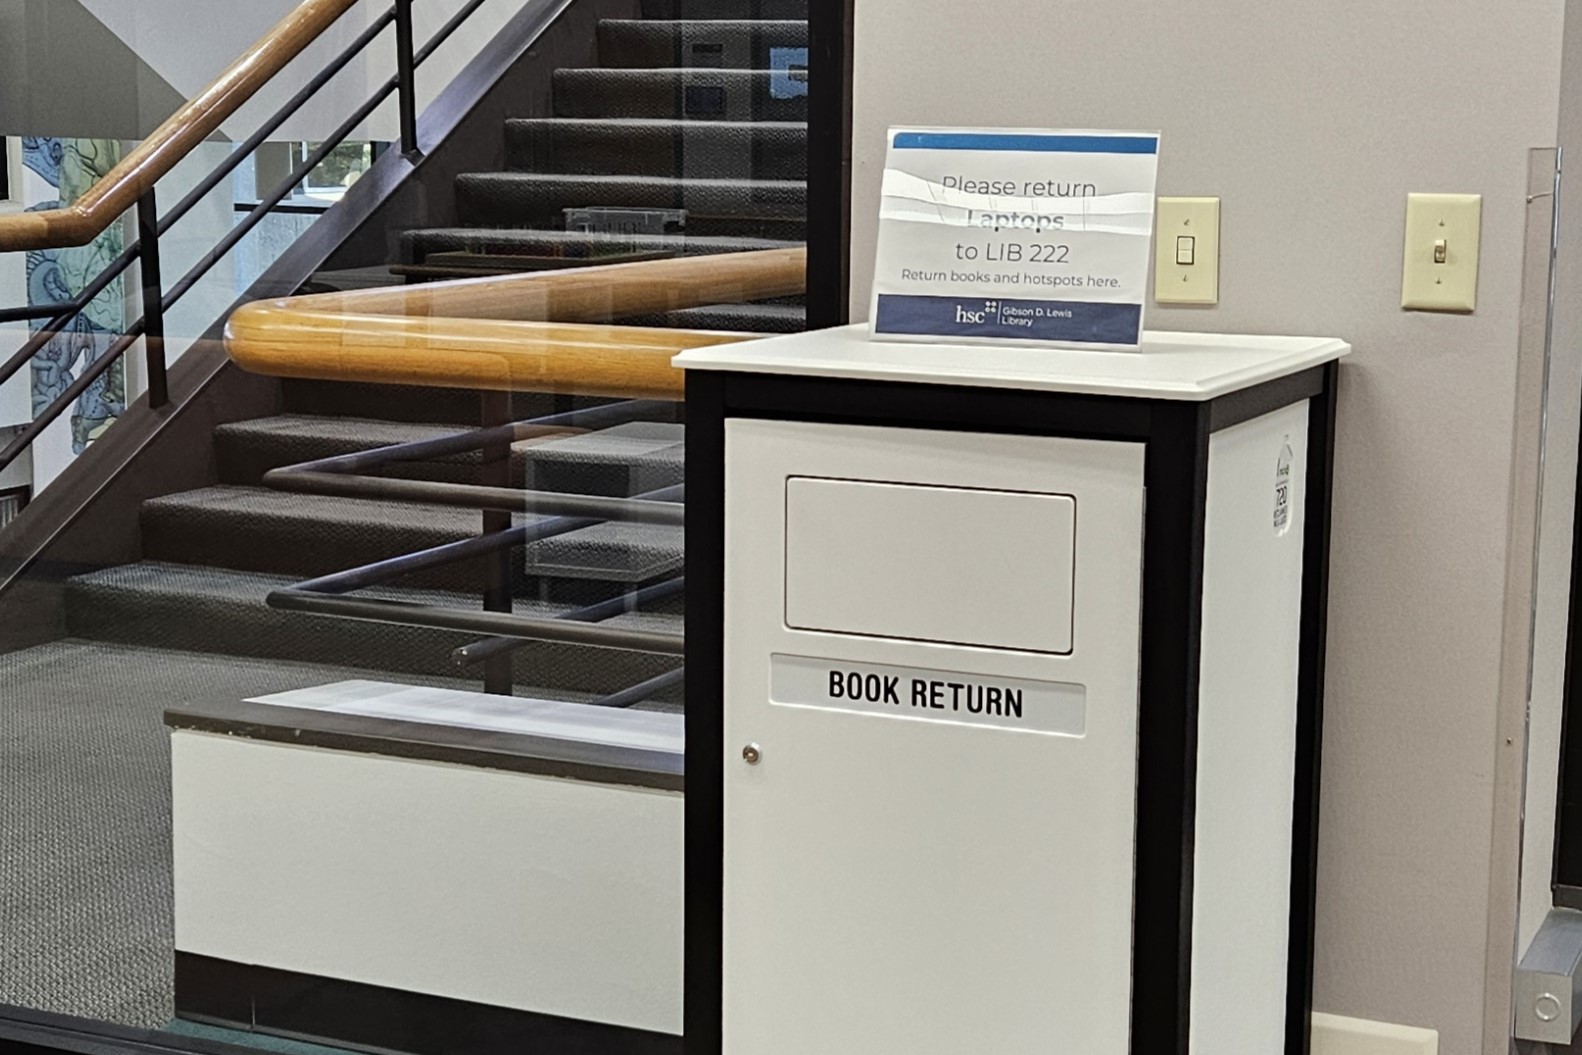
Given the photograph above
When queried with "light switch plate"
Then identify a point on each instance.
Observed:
(1450, 224)
(1186, 251)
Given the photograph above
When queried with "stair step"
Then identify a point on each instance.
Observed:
(521, 241)
(747, 318)
(420, 405)
(715, 43)
(400, 403)
(763, 208)
(253, 529)
(762, 150)
(223, 611)
(692, 94)
(725, 9)
(246, 450)
(631, 554)
(622, 461)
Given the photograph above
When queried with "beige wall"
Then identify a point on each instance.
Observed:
(1312, 122)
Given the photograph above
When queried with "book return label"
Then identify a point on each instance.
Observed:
(928, 695)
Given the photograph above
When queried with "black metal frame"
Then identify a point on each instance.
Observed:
(25, 1032)
(1567, 877)
(830, 41)
(157, 300)
(1175, 436)
(375, 1018)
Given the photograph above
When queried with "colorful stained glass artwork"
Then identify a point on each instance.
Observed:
(72, 166)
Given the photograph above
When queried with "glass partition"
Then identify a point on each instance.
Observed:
(341, 696)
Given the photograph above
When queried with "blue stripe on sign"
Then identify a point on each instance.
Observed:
(1022, 142)
(1018, 320)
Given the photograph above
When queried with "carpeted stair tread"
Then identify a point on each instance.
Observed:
(576, 245)
(219, 610)
(255, 529)
(621, 461)
(748, 318)
(665, 622)
(697, 94)
(628, 459)
(610, 552)
(422, 405)
(774, 208)
(658, 147)
(245, 450)
(722, 43)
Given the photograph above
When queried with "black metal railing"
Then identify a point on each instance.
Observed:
(157, 300)
(558, 513)
(342, 594)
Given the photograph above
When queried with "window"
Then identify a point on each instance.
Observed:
(340, 168)
(12, 500)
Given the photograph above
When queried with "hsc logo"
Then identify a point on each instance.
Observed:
(991, 309)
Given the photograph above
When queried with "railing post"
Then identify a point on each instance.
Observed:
(153, 298)
(406, 90)
(496, 472)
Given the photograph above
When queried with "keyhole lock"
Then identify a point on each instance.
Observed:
(752, 754)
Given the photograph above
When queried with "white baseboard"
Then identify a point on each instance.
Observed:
(1334, 1035)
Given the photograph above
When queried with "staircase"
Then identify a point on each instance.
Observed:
(700, 119)
(212, 555)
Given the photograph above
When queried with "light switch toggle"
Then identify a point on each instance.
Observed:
(1441, 251)
(1186, 250)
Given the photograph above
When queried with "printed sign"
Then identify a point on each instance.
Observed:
(929, 695)
(998, 235)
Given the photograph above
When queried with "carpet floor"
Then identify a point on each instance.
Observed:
(85, 873)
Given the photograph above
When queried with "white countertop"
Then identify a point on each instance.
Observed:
(1189, 366)
(556, 719)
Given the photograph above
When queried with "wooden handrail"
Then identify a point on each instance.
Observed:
(580, 358)
(534, 332)
(120, 188)
(584, 294)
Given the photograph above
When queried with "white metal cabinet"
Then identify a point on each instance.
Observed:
(931, 873)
